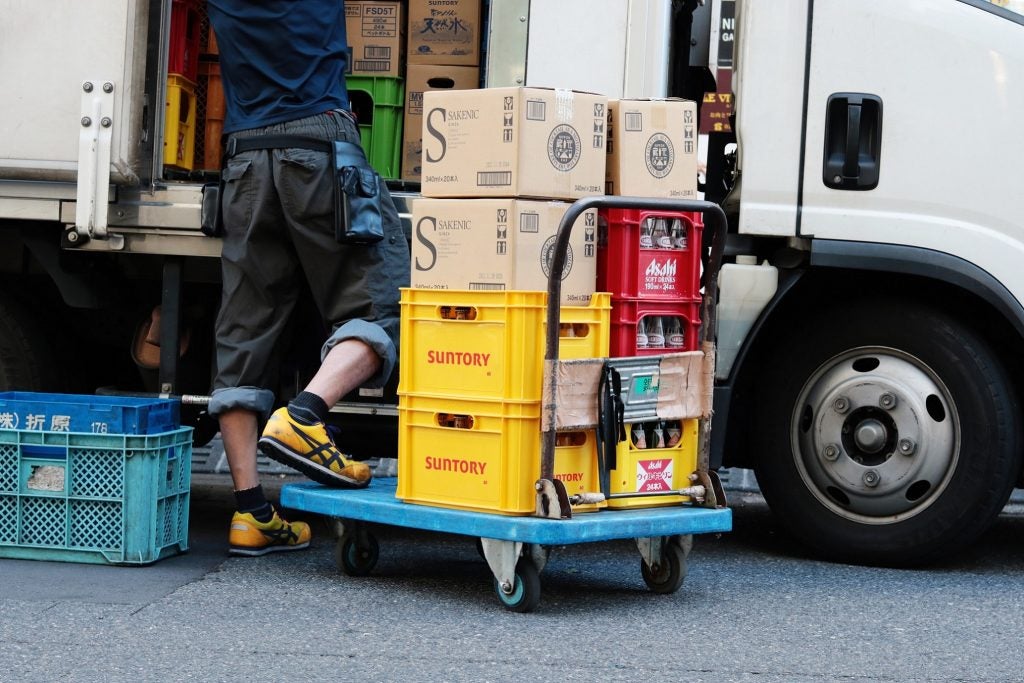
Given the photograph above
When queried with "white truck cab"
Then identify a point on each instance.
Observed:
(879, 148)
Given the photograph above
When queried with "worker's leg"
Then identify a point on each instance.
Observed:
(258, 269)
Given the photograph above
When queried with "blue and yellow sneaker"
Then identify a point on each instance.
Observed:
(250, 537)
(310, 450)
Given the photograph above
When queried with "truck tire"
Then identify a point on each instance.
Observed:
(26, 362)
(886, 434)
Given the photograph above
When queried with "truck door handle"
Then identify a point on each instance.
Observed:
(853, 141)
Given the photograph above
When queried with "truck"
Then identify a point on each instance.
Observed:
(866, 154)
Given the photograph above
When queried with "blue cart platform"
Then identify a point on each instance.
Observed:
(663, 534)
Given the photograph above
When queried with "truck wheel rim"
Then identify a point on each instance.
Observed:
(876, 435)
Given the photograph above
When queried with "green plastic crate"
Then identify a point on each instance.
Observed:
(377, 102)
(97, 498)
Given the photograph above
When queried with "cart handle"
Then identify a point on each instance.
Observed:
(714, 218)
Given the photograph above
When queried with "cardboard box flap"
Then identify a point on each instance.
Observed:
(682, 388)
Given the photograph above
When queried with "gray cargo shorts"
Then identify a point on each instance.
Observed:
(277, 206)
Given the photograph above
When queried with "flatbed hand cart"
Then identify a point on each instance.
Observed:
(516, 548)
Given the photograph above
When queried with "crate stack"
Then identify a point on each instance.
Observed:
(182, 85)
(376, 38)
(649, 261)
(443, 53)
(500, 167)
(211, 103)
(95, 479)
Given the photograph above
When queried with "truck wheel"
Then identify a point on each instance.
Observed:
(26, 362)
(886, 434)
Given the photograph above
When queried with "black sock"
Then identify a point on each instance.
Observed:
(255, 503)
(307, 408)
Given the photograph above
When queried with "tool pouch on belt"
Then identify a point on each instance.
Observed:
(358, 217)
(357, 196)
(211, 222)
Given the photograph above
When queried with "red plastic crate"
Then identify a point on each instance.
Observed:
(183, 55)
(626, 313)
(630, 272)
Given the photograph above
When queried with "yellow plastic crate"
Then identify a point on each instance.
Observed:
(180, 123)
(654, 469)
(472, 345)
(576, 465)
(477, 455)
(489, 345)
(584, 331)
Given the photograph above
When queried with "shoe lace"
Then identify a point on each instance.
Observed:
(333, 433)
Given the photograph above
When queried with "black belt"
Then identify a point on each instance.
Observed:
(238, 145)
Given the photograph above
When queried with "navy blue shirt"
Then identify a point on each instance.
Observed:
(280, 59)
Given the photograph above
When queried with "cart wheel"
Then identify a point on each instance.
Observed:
(355, 557)
(525, 593)
(668, 576)
(480, 549)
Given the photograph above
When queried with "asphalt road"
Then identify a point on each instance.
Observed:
(753, 608)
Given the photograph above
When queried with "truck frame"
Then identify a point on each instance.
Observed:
(876, 392)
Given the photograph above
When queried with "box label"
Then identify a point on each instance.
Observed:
(654, 475)
(659, 273)
(564, 148)
(444, 32)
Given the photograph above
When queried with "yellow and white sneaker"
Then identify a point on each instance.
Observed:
(310, 450)
(250, 537)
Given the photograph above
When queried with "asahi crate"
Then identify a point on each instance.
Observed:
(650, 466)
(636, 323)
(96, 498)
(650, 255)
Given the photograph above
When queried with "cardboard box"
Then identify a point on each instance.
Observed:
(420, 78)
(375, 37)
(444, 32)
(498, 244)
(684, 389)
(652, 148)
(513, 142)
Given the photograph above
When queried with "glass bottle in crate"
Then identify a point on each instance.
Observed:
(678, 233)
(675, 338)
(641, 334)
(638, 436)
(656, 438)
(655, 333)
(661, 236)
(647, 234)
(673, 433)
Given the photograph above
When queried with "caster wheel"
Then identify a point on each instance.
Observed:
(356, 558)
(525, 593)
(668, 576)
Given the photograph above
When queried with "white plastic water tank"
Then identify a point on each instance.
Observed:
(745, 288)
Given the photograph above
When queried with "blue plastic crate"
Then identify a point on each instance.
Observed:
(29, 411)
(98, 498)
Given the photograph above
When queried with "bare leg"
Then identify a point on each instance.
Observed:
(238, 429)
(346, 366)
